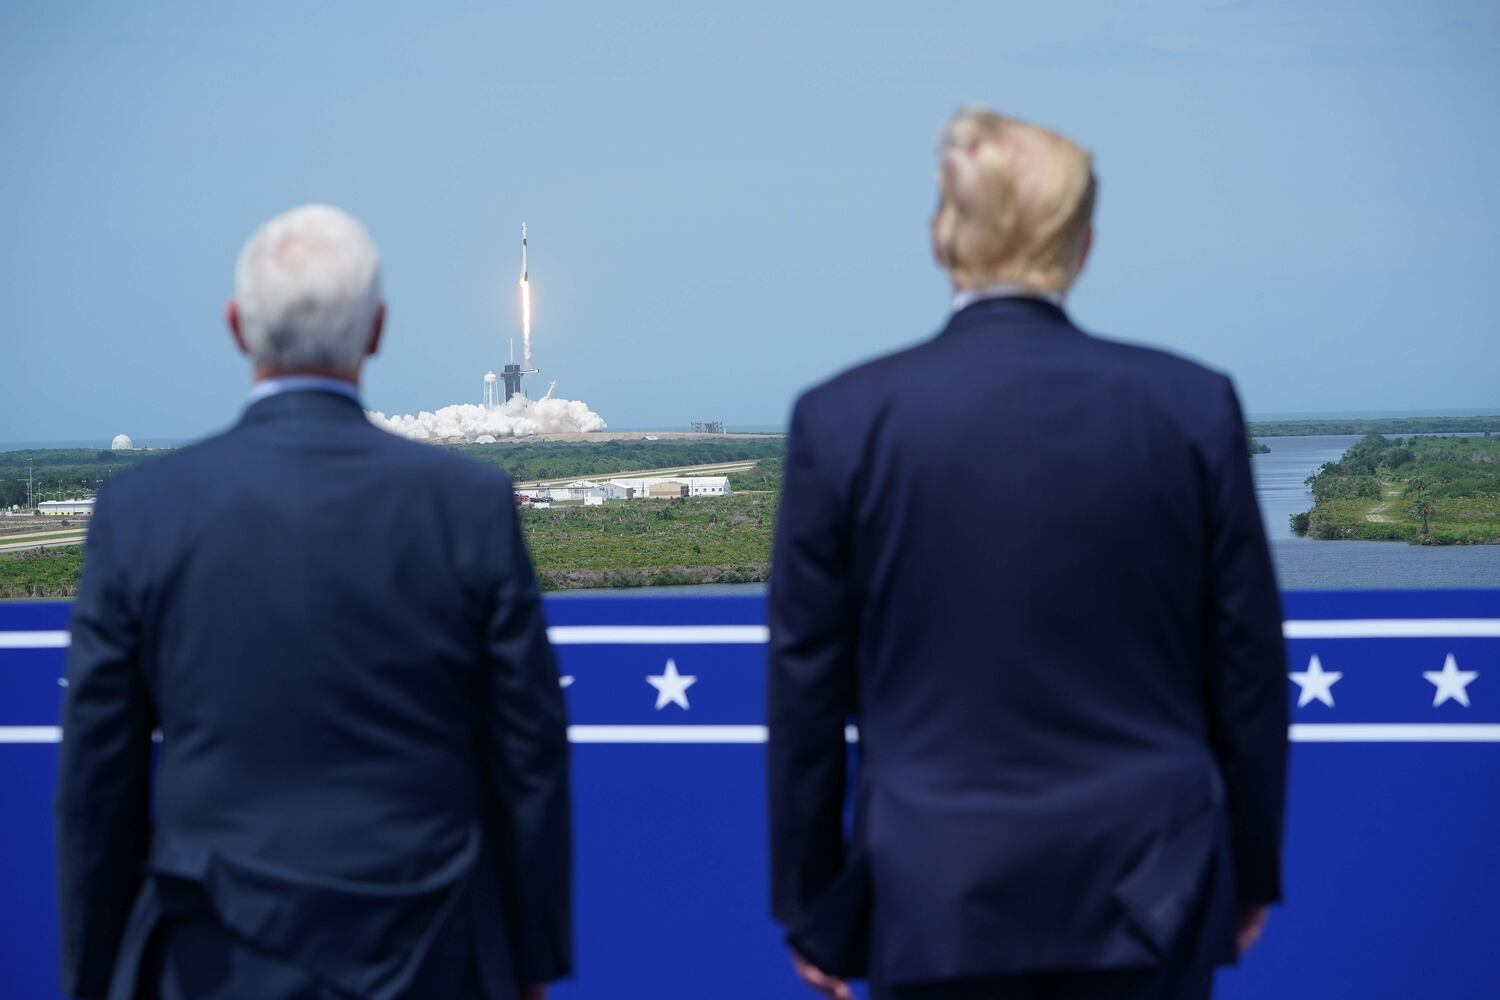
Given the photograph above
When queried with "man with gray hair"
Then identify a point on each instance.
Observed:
(361, 788)
(1068, 677)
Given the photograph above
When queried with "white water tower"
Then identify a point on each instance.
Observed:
(491, 391)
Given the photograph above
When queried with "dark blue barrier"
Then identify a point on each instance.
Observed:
(1393, 831)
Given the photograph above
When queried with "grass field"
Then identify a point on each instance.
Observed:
(1453, 522)
(653, 542)
(51, 573)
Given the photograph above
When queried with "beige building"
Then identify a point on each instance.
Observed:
(666, 489)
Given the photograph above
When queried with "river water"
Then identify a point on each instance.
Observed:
(1310, 564)
(1301, 563)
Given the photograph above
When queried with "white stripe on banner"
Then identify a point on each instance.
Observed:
(1392, 628)
(1413, 732)
(703, 635)
(30, 734)
(667, 734)
(665, 635)
(680, 734)
(1331, 732)
(34, 640)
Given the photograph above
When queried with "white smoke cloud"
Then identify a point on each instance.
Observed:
(519, 417)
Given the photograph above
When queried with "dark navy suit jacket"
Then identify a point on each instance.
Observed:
(361, 787)
(1029, 563)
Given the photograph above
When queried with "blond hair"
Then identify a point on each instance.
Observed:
(1016, 204)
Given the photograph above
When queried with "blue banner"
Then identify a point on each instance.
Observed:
(1393, 876)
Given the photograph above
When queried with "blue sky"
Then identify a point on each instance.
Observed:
(727, 205)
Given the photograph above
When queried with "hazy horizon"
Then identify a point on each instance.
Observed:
(768, 428)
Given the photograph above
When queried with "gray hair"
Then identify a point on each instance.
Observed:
(307, 288)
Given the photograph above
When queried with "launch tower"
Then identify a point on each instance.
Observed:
(511, 374)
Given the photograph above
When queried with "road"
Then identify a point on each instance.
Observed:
(33, 540)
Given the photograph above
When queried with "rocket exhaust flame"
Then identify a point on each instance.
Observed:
(526, 322)
(525, 303)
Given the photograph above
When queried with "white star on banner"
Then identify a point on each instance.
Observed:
(671, 687)
(1315, 682)
(1450, 682)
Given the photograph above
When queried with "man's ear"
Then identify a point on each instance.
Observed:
(374, 345)
(932, 239)
(232, 317)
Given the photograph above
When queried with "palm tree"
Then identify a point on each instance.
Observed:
(1423, 504)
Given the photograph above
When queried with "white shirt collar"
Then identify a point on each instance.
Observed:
(268, 387)
(966, 297)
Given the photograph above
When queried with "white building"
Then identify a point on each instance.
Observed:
(698, 486)
(629, 489)
(545, 493)
(635, 487)
(67, 508)
(122, 442)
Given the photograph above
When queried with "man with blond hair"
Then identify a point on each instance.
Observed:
(361, 788)
(1068, 676)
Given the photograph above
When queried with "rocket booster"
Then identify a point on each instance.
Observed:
(524, 275)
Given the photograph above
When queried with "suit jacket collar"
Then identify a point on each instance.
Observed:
(304, 404)
(1010, 311)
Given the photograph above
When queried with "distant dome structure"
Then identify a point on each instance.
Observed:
(485, 439)
(122, 442)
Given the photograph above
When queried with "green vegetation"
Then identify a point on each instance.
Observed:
(1258, 447)
(1387, 425)
(624, 544)
(1428, 491)
(638, 543)
(763, 476)
(61, 473)
(48, 573)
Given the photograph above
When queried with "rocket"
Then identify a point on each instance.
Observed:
(525, 284)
